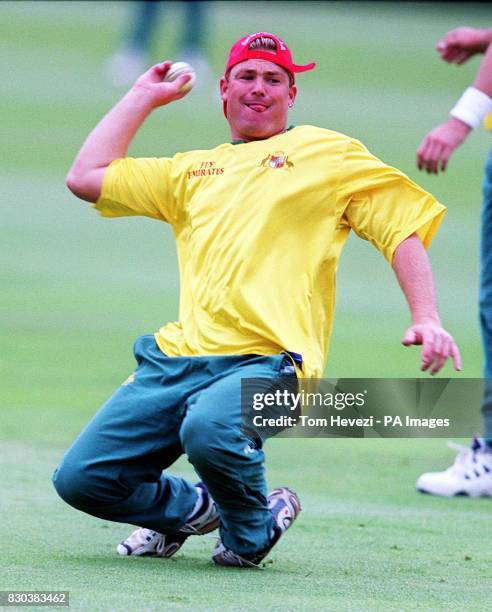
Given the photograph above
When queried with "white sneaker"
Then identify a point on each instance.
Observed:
(470, 474)
(146, 542)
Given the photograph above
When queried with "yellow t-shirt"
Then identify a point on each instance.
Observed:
(259, 230)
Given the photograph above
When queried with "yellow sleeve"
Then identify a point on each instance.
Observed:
(138, 186)
(382, 205)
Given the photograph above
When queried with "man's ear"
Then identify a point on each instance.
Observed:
(292, 95)
(224, 88)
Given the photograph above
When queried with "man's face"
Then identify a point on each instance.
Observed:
(258, 94)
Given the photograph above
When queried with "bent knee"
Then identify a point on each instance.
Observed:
(204, 441)
(78, 488)
(69, 484)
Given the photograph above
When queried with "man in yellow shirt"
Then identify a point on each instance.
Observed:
(259, 226)
(471, 472)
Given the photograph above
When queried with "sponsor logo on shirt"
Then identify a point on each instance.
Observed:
(276, 160)
(206, 168)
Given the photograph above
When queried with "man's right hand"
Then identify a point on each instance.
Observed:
(110, 139)
(457, 46)
(159, 92)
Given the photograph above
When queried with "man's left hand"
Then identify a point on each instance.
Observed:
(437, 345)
(436, 148)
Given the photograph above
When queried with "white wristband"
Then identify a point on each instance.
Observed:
(472, 107)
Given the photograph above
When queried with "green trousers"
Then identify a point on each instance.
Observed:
(174, 405)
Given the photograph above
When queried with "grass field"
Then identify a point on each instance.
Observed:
(77, 290)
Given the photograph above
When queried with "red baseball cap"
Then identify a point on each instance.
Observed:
(244, 49)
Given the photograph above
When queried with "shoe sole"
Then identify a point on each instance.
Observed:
(457, 494)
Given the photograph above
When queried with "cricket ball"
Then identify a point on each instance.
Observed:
(176, 70)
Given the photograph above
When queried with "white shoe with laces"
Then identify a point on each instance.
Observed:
(146, 542)
(470, 475)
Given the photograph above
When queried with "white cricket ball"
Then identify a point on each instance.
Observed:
(176, 70)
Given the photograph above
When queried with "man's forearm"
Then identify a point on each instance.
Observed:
(483, 80)
(413, 271)
(108, 141)
(412, 268)
(112, 136)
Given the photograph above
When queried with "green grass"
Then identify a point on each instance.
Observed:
(77, 290)
(357, 544)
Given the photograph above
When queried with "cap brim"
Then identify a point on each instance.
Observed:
(305, 68)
